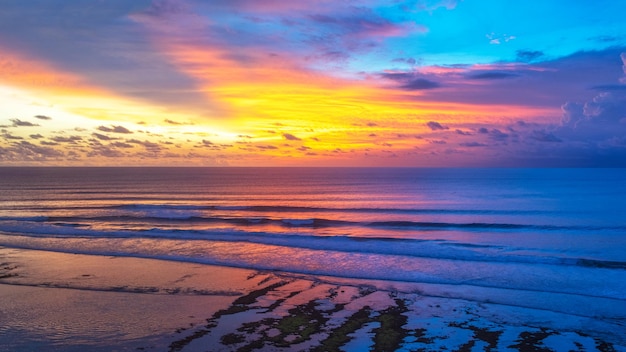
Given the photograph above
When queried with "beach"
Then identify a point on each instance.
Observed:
(70, 302)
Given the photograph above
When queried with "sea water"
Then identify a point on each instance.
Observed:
(550, 239)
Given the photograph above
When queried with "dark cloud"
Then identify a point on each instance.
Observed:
(420, 84)
(473, 144)
(291, 137)
(610, 87)
(150, 146)
(528, 55)
(498, 135)
(543, 136)
(545, 84)
(43, 117)
(410, 80)
(492, 75)
(36, 136)
(121, 145)
(436, 126)
(42, 29)
(102, 137)
(48, 143)
(29, 151)
(9, 136)
(20, 123)
(115, 129)
(409, 61)
(70, 139)
(106, 152)
(361, 22)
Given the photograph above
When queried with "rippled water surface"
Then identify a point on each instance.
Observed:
(510, 232)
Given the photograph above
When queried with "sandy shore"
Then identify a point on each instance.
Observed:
(69, 302)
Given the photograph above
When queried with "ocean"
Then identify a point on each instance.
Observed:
(544, 239)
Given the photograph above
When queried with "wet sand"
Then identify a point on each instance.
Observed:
(70, 302)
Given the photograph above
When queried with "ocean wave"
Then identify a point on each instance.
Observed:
(25, 218)
(407, 247)
(511, 277)
(186, 217)
(309, 209)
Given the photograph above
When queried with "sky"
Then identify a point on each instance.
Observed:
(408, 83)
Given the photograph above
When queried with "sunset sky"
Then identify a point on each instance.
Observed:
(313, 83)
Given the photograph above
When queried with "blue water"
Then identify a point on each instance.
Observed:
(509, 233)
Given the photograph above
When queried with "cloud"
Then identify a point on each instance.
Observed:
(528, 55)
(429, 5)
(266, 147)
(115, 129)
(172, 122)
(420, 84)
(473, 144)
(121, 145)
(410, 80)
(436, 126)
(150, 146)
(29, 151)
(497, 39)
(498, 135)
(9, 136)
(409, 61)
(543, 136)
(106, 152)
(361, 22)
(36, 136)
(43, 117)
(291, 137)
(610, 87)
(70, 139)
(541, 85)
(572, 113)
(18, 122)
(605, 39)
(492, 75)
(102, 137)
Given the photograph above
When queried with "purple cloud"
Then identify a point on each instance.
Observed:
(291, 137)
(410, 80)
(492, 75)
(436, 126)
(543, 136)
(115, 129)
(473, 144)
(20, 123)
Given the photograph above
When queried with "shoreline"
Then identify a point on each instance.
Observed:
(63, 301)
